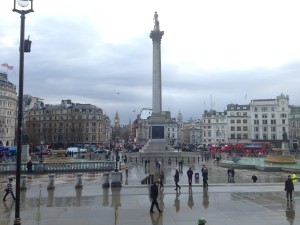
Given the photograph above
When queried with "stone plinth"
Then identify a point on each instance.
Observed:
(116, 179)
(25, 157)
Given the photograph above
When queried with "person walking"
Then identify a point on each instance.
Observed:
(9, 189)
(254, 178)
(190, 176)
(161, 180)
(29, 167)
(289, 188)
(176, 180)
(204, 172)
(154, 195)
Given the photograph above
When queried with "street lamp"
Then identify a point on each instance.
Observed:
(117, 160)
(23, 4)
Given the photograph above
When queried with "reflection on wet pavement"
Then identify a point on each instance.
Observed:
(241, 203)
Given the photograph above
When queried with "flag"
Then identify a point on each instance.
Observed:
(10, 67)
(4, 64)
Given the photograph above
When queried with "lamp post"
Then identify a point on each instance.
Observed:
(23, 4)
(117, 160)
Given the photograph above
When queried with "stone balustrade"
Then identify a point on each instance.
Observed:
(60, 167)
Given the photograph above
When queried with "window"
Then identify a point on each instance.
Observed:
(245, 128)
(231, 121)
(232, 128)
(273, 129)
(273, 121)
(256, 121)
(244, 113)
(256, 136)
(265, 129)
(245, 136)
(239, 136)
(283, 121)
(256, 116)
(265, 122)
(245, 121)
(265, 136)
(264, 109)
(232, 136)
(274, 136)
(238, 128)
(272, 108)
(265, 116)
(273, 115)
(256, 129)
(255, 109)
(238, 121)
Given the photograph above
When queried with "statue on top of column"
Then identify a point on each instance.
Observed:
(156, 22)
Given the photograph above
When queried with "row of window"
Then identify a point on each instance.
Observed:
(256, 122)
(267, 109)
(79, 117)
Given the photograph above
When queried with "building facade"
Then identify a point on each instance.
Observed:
(67, 124)
(214, 127)
(239, 123)
(294, 127)
(269, 119)
(8, 111)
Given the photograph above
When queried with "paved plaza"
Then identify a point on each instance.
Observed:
(225, 203)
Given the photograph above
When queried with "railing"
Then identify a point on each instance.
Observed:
(60, 167)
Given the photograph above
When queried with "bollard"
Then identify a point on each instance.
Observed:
(23, 182)
(78, 180)
(51, 181)
(142, 159)
(105, 178)
(151, 180)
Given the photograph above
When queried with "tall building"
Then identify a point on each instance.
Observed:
(269, 119)
(214, 127)
(8, 111)
(67, 124)
(239, 123)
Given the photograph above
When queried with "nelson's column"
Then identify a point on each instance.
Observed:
(157, 121)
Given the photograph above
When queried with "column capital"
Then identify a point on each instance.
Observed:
(156, 35)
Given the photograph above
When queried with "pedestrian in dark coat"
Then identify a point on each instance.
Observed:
(176, 180)
(9, 189)
(289, 188)
(254, 178)
(190, 175)
(154, 195)
(29, 167)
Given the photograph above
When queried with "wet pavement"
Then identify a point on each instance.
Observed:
(226, 203)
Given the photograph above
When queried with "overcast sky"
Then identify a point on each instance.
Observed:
(213, 53)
